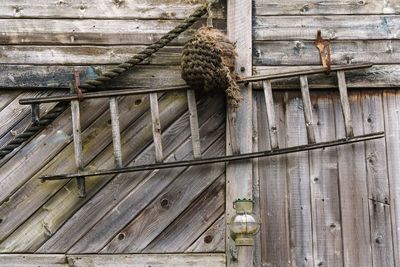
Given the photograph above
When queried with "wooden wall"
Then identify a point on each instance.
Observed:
(177, 210)
(336, 206)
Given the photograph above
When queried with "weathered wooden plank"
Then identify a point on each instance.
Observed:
(274, 216)
(378, 76)
(299, 52)
(156, 127)
(103, 9)
(338, 27)
(116, 132)
(135, 236)
(378, 181)
(122, 189)
(84, 55)
(298, 187)
(192, 223)
(239, 174)
(353, 190)
(90, 31)
(325, 204)
(140, 260)
(30, 260)
(44, 223)
(212, 240)
(391, 101)
(194, 123)
(344, 103)
(307, 108)
(332, 7)
(26, 76)
(270, 110)
(7, 97)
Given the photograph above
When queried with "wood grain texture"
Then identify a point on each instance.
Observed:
(91, 31)
(103, 9)
(353, 190)
(125, 191)
(300, 52)
(30, 260)
(308, 116)
(325, 204)
(331, 7)
(270, 110)
(194, 123)
(338, 27)
(156, 127)
(344, 103)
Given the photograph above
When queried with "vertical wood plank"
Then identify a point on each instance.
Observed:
(353, 191)
(391, 101)
(344, 101)
(305, 94)
(298, 185)
(378, 184)
(116, 135)
(194, 123)
(239, 174)
(76, 133)
(274, 216)
(269, 102)
(325, 204)
(155, 119)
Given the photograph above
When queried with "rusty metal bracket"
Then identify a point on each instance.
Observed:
(324, 47)
(77, 86)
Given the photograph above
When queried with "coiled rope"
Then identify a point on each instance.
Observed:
(100, 81)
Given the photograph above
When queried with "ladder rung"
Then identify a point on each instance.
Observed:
(194, 123)
(116, 136)
(155, 118)
(269, 101)
(344, 101)
(305, 95)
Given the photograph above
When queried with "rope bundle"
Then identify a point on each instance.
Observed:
(208, 61)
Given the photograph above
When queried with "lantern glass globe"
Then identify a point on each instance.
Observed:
(244, 224)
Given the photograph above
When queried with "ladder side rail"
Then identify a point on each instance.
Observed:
(156, 127)
(344, 101)
(307, 107)
(194, 123)
(269, 102)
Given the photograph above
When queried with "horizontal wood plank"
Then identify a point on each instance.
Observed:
(102, 9)
(343, 52)
(338, 27)
(79, 32)
(30, 260)
(317, 7)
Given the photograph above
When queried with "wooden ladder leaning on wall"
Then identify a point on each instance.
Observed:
(266, 80)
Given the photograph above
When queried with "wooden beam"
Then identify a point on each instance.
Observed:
(155, 119)
(239, 174)
(344, 101)
(116, 135)
(270, 109)
(194, 123)
(307, 108)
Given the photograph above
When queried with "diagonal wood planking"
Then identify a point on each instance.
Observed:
(122, 185)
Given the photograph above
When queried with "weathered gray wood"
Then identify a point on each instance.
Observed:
(190, 225)
(344, 103)
(391, 101)
(270, 109)
(194, 123)
(335, 7)
(239, 174)
(115, 130)
(7, 97)
(84, 55)
(156, 127)
(351, 27)
(353, 191)
(299, 52)
(379, 76)
(30, 260)
(307, 108)
(90, 31)
(122, 189)
(298, 187)
(103, 9)
(135, 236)
(77, 140)
(325, 204)
(212, 240)
(38, 227)
(140, 260)
(274, 216)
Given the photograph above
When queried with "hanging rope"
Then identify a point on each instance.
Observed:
(99, 82)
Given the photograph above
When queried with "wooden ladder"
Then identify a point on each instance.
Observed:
(266, 80)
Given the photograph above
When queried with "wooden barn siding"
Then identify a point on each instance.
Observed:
(177, 210)
(338, 206)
